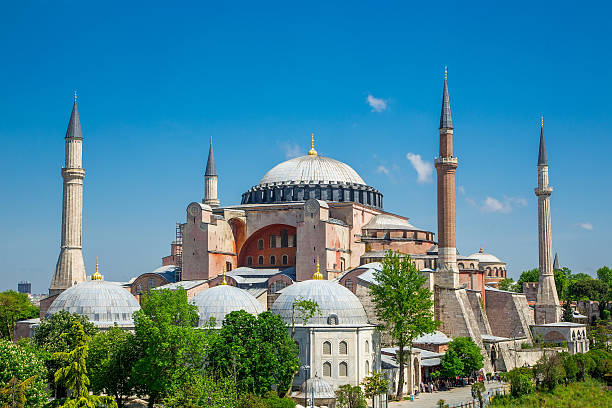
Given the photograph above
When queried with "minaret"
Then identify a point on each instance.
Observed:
(446, 164)
(70, 268)
(210, 180)
(547, 308)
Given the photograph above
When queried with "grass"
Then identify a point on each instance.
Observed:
(587, 394)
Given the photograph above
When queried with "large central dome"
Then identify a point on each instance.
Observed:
(311, 169)
(312, 176)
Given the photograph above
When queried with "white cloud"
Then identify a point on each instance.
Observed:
(461, 190)
(377, 104)
(292, 150)
(382, 169)
(504, 206)
(586, 225)
(424, 169)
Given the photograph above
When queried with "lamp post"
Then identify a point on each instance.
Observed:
(306, 369)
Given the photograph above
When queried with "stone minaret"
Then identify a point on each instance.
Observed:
(446, 165)
(547, 308)
(70, 268)
(210, 180)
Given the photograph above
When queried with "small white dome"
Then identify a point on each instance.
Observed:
(338, 304)
(314, 169)
(388, 221)
(221, 300)
(485, 258)
(104, 303)
(319, 388)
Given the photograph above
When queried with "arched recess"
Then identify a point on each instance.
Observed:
(239, 231)
(278, 240)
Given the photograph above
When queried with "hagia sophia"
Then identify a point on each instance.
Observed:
(312, 228)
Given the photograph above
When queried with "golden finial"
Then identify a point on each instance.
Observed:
(481, 248)
(445, 72)
(542, 120)
(75, 96)
(312, 151)
(96, 276)
(317, 275)
(224, 282)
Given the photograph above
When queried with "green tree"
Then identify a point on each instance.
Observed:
(258, 351)
(374, 385)
(305, 310)
(22, 373)
(478, 389)
(585, 365)
(73, 375)
(549, 371)
(451, 364)
(508, 284)
(532, 275)
(568, 313)
(599, 335)
(350, 396)
(404, 304)
(202, 391)
(521, 381)
(562, 280)
(469, 353)
(14, 306)
(111, 358)
(168, 346)
(570, 367)
(590, 289)
(604, 274)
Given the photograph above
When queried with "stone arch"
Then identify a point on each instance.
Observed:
(554, 336)
(252, 247)
(239, 230)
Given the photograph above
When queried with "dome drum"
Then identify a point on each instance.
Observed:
(299, 192)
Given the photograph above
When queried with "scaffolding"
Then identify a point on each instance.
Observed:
(178, 252)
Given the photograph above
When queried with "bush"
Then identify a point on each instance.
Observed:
(585, 365)
(602, 363)
(270, 400)
(20, 363)
(521, 381)
(570, 367)
(349, 396)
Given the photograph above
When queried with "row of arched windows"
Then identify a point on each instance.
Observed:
(342, 369)
(342, 347)
(273, 260)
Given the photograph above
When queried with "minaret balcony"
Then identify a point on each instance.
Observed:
(73, 173)
(543, 191)
(446, 161)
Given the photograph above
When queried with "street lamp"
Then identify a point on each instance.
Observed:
(306, 368)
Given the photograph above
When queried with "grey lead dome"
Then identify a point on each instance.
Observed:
(221, 300)
(308, 169)
(104, 303)
(338, 304)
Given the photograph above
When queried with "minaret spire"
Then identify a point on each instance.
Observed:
(210, 180)
(70, 268)
(446, 120)
(547, 308)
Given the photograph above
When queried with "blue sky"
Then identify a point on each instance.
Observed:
(156, 82)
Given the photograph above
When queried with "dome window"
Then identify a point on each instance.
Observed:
(332, 319)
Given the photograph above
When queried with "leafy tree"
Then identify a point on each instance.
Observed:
(521, 381)
(585, 365)
(374, 385)
(22, 374)
(508, 284)
(305, 310)
(590, 289)
(451, 364)
(203, 391)
(549, 370)
(570, 367)
(350, 396)
(602, 363)
(257, 351)
(73, 375)
(168, 346)
(469, 353)
(14, 306)
(568, 313)
(478, 389)
(532, 275)
(604, 274)
(110, 361)
(404, 304)
(599, 335)
(580, 276)
(49, 335)
(562, 279)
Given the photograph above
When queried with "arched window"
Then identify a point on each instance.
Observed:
(272, 241)
(343, 348)
(272, 260)
(367, 368)
(285, 259)
(343, 369)
(460, 266)
(471, 266)
(249, 260)
(260, 244)
(326, 347)
(260, 260)
(367, 346)
(326, 369)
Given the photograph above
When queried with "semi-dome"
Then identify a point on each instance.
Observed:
(311, 169)
(339, 306)
(388, 222)
(104, 303)
(312, 176)
(221, 300)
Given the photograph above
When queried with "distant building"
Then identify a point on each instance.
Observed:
(24, 287)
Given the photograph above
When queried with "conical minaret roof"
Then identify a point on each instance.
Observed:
(542, 157)
(211, 169)
(446, 120)
(74, 126)
(556, 264)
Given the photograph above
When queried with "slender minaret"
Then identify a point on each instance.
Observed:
(70, 268)
(547, 308)
(210, 180)
(446, 165)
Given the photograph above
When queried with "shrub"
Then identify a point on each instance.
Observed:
(349, 396)
(570, 366)
(18, 364)
(521, 381)
(585, 365)
(549, 370)
(602, 363)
